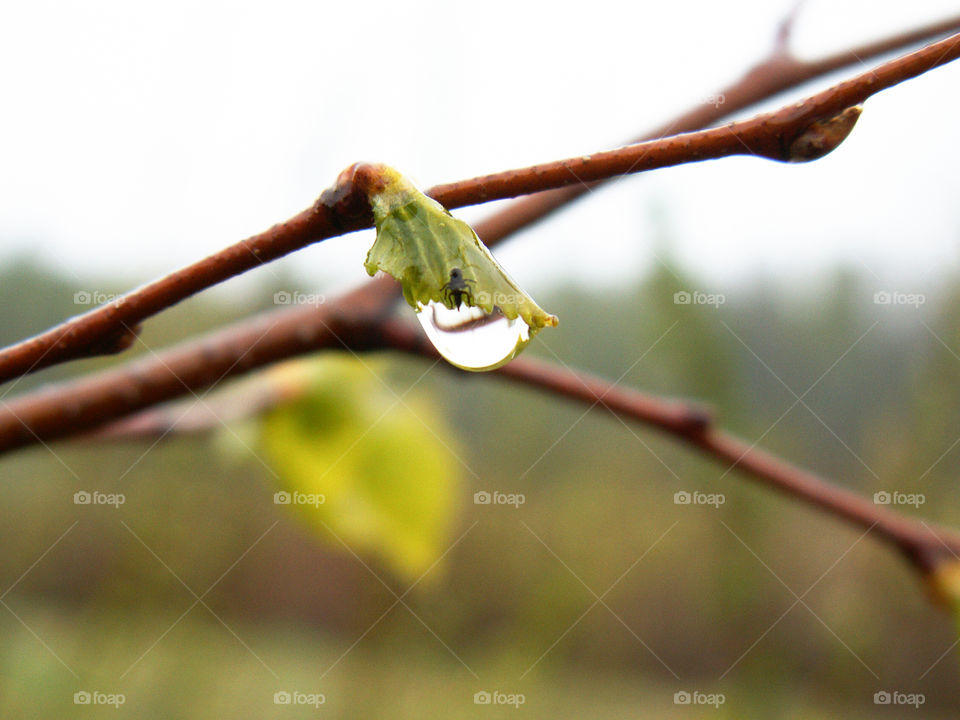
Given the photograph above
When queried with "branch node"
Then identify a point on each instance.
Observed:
(348, 200)
(823, 136)
(113, 344)
(695, 420)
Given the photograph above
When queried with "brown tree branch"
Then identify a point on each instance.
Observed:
(62, 410)
(113, 327)
(80, 406)
(76, 407)
(926, 547)
(779, 72)
(199, 416)
(770, 135)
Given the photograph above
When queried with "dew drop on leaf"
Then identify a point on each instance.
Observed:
(471, 338)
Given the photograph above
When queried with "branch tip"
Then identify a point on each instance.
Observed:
(781, 43)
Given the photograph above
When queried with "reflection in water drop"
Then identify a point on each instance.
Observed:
(473, 339)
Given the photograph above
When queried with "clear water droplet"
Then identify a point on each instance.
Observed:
(473, 339)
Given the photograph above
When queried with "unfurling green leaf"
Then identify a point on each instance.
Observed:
(438, 258)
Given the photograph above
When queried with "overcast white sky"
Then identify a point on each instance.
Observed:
(137, 137)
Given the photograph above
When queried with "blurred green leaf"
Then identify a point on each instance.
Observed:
(360, 465)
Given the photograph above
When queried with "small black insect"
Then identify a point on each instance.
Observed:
(458, 288)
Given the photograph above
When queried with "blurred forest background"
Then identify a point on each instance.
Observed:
(702, 592)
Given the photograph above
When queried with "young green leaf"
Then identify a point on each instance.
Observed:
(438, 258)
